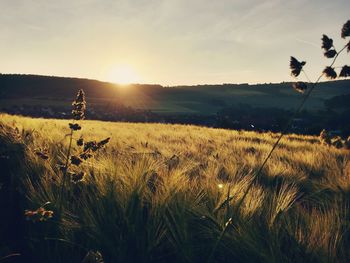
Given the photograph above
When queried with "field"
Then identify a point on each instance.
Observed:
(171, 193)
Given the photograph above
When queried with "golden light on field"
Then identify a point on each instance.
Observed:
(124, 74)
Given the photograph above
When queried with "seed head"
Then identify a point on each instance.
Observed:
(345, 32)
(300, 86)
(327, 42)
(330, 53)
(62, 167)
(74, 126)
(90, 145)
(39, 215)
(324, 137)
(77, 177)
(337, 142)
(79, 106)
(42, 154)
(296, 66)
(85, 155)
(330, 73)
(103, 142)
(75, 160)
(154, 181)
(345, 72)
(80, 142)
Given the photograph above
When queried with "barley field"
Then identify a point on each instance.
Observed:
(170, 193)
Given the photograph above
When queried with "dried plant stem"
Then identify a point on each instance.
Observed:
(223, 231)
(286, 128)
(228, 202)
(258, 173)
(63, 181)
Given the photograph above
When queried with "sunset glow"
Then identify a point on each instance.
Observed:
(166, 42)
(123, 74)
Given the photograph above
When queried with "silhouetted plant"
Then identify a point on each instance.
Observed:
(345, 72)
(337, 142)
(300, 86)
(42, 153)
(296, 68)
(78, 112)
(345, 32)
(329, 72)
(38, 215)
(329, 52)
(325, 138)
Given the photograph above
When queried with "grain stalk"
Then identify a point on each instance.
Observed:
(78, 112)
(296, 68)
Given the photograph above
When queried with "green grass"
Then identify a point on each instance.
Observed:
(172, 193)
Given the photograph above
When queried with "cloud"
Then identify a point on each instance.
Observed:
(202, 37)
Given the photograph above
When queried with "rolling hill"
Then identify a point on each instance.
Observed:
(22, 90)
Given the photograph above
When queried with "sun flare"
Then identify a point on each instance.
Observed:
(124, 74)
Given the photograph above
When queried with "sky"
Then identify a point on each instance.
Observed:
(168, 42)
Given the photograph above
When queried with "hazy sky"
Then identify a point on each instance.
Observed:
(168, 41)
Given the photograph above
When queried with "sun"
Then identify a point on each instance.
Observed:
(124, 74)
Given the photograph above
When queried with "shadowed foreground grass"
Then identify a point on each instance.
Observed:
(171, 193)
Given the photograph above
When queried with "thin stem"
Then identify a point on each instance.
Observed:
(306, 76)
(228, 202)
(286, 128)
(63, 181)
(212, 253)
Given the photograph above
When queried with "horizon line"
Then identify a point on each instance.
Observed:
(163, 85)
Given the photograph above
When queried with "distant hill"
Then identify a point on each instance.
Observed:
(36, 86)
(20, 90)
(339, 102)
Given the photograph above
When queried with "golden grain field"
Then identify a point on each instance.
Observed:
(173, 193)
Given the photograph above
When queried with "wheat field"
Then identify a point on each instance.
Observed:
(175, 193)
